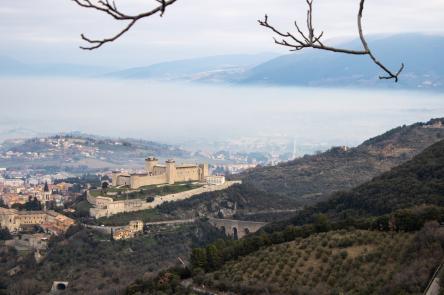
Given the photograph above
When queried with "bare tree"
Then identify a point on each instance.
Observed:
(111, 9)
(296, 42)
(303, 40)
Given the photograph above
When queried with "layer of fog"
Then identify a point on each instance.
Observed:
(178, 113)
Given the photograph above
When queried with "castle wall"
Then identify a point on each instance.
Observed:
(144, 180)
(187, 174)
(115, 207)
(159, 170)
(120, 179)
(123, 180)
(102, 201)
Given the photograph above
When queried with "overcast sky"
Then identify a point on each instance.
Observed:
(48, 30)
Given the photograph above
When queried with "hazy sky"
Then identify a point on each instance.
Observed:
(48, 30)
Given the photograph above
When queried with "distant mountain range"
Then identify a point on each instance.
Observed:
(422, 55)
(210, 69)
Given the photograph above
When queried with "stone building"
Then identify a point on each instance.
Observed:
(51, 221)
(130, 231)
(155, 174)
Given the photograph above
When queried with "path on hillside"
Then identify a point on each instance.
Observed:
(168, 222)
(109, 229)
(272, 211)
(433, 287)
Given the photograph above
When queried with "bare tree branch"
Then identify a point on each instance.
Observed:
(310, 40)
(111, 9)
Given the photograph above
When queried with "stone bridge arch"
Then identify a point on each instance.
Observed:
(236, 228)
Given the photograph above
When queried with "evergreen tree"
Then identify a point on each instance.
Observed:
(199, 258)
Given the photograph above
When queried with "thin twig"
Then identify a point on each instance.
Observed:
(111, 9)
(310, 40)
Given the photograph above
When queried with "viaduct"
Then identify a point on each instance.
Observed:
(236, 228)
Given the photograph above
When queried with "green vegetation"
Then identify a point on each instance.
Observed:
(82, 181)
(5, 234)
(124, 218)
(337, 262)
(242, 197)
(146, 191)
(375, 209)
(402, 200)
(31, 205)
(166, 283)
(93, 264)
(417, 182)
(82, 208)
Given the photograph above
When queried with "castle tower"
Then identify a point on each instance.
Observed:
(150, 163)
(171, 171)
(203, 172)
(115, 176)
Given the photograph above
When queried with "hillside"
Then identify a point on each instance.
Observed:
(312, 178)
(382, 237)
(337, 262)
(417, 182)
(420, 53)
(94, 265)
(83, 150)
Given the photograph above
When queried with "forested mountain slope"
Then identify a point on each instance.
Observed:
(313, 178)
(415, 183)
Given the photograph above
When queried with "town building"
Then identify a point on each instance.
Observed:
(51, 221)
(216, 179)
(130, 231)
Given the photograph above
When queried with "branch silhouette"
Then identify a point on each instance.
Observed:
(310, 39)
(111, 9)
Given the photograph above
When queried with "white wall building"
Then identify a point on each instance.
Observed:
(216, 180)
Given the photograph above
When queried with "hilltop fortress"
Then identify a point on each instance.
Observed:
(156, 174)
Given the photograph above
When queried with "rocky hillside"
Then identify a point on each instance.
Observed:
(313, 178)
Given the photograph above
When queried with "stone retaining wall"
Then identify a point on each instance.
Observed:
(105, 207)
